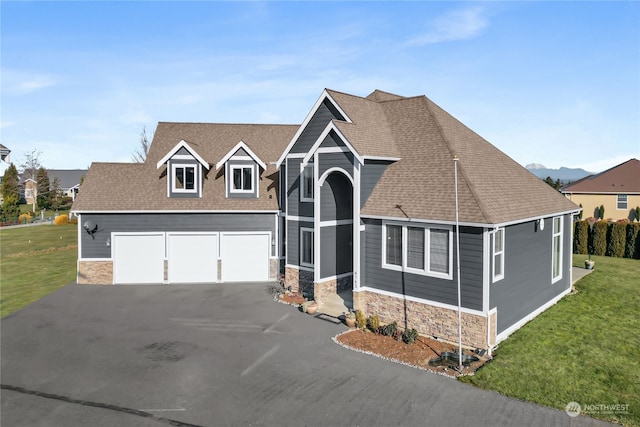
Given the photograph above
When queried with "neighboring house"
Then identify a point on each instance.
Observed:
(361, 197)
(617, 189)
(68, 180)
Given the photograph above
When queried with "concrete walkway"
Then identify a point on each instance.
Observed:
(219, 355)
(578, 273)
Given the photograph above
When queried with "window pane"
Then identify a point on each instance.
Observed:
(307, 247)
(190, 178)
(498, 265)
(622, 201)
(247, 178)
(556, 256)
(497, 242)
(307, 184)
(394, 245)
(237, 179)
(556, 225)
(439, 251)
(180, 178)
(415, 247)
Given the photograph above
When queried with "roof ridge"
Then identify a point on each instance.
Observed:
(479, 201)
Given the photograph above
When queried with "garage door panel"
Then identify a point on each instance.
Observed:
(193, 258)
(245, 257)
(138, 258)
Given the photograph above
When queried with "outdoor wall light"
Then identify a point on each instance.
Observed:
(108, 242)
(90, 227)
(541, 224)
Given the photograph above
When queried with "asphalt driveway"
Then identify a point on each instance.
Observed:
(219, 355)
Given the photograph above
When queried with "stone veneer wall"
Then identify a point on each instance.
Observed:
(274, 268)
(321, 290)
(300, 281)
(427, 319)
(95, 272)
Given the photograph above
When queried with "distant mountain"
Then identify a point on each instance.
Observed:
(563, 174)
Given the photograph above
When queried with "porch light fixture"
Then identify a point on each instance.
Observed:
(90, 227)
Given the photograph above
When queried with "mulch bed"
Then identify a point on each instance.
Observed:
(417, 354)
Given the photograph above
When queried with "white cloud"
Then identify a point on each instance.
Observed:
(18, 83)
(462, 24)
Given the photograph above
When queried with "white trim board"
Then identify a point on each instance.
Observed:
(246, 148)
(186, 146)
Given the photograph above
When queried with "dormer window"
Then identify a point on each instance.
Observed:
(184, 171)
(306, 187)
(184, 178)
(242, 172)
(242, 179)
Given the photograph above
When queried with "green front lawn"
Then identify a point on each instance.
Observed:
(35, 261)
(585, 349)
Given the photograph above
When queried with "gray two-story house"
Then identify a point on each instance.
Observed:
(360, 198)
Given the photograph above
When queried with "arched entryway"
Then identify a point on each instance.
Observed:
(335, 261)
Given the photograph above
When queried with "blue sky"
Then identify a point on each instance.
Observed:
(556, 83)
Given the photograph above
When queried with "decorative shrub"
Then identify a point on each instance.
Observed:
(581, 237)
(599, 238)
(390, 329)
(616, 239)
(638, 213)
(632, 247)
(409, 336)
(601, 212)
(373, 323)
(61, 220)
(24, 218)
(73, 221)
(581, 212)
(361, 321)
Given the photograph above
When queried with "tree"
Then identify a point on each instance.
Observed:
(10, 192)
(55, 195)
(140, 154)
(42, 178)
(30, 167)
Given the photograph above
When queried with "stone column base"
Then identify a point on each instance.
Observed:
(300, 281)
(321, 290)
(95, 273)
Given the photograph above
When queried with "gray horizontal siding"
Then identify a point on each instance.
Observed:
(331, 160)
(325, 113)
(293, 240)
(427, 287)
(527, 271)
(369, 177)
(108, 223)
(336, 250)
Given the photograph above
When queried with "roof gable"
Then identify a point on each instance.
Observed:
(182, 145)
(241, 146)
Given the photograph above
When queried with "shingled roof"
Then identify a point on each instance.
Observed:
(623, 178)
(143, 187)
(493, 188)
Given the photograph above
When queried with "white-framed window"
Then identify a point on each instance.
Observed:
(556, 262)
(622, 202)
(306, 183)
(184, 178)
(306, 247)
(498, 254)
(418, 250)
(241, 178)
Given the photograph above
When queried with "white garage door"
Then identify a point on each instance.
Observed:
(138, 258)
(245, 257)
(193, 258)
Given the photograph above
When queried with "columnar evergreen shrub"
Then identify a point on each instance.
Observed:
(361, 321)
(632, 248)
(601, 212)
(581, 237)
(616, 238)
(599, 238)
